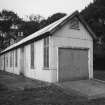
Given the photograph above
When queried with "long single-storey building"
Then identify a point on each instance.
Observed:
(62, 51)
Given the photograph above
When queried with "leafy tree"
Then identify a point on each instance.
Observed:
(7, 19)
(36, 18)
(5, 25)
(11, 16)
(94, 14)
(55, 17)
(29, 27)
(51, 19)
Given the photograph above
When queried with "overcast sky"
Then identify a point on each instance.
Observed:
(43, 7)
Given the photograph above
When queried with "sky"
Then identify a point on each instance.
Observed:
(44, 8)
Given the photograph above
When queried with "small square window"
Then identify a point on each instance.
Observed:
(74, 24)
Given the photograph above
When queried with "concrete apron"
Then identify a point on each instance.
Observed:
(90, 89)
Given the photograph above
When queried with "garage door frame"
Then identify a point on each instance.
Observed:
(76, 48)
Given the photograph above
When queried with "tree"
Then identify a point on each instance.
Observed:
(36, 18)
(29, 27)
(51, 19)
(7, 19)
(55, 17)
(11, 16)
(94, 14)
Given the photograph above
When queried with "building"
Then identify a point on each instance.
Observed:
(61, 51)
(14, 37)
(15, 34)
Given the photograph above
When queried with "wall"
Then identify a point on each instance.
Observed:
(13, 68)
(39, 72)
(2, 62)
(71, 38)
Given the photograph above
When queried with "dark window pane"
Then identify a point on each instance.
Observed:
(46, 52)
(32, 55)
(16, 58)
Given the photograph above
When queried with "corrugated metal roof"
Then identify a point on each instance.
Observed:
(36, 34)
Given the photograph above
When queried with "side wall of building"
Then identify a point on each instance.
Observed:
(38, 72)
(2, 62)
(8, 60)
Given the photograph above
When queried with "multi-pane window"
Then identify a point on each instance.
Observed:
(32, 55)
(16, 58)
(46, 52)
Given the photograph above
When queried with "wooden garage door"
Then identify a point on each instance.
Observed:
(73, 64)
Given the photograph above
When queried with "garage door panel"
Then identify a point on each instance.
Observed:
(80, 62)
(73, 64)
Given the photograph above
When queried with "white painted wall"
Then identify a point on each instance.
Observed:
(12, 69)
(2, 62)
(71, 38)
(17, 69)
(7, 67)
(38, 72)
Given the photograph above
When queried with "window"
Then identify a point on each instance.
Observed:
(0, 62)
(74, 24)
(16, 60)
(46, 52)
(10, 59)
(7, 60)
(32, 55)
(20, 33)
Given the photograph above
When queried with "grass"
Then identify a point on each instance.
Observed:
(40, 96)
(44, 96)
(47, 95)
(99, 74)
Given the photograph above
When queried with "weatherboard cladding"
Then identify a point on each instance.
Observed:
(49, 30)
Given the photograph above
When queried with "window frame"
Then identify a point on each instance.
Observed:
(46, 53)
